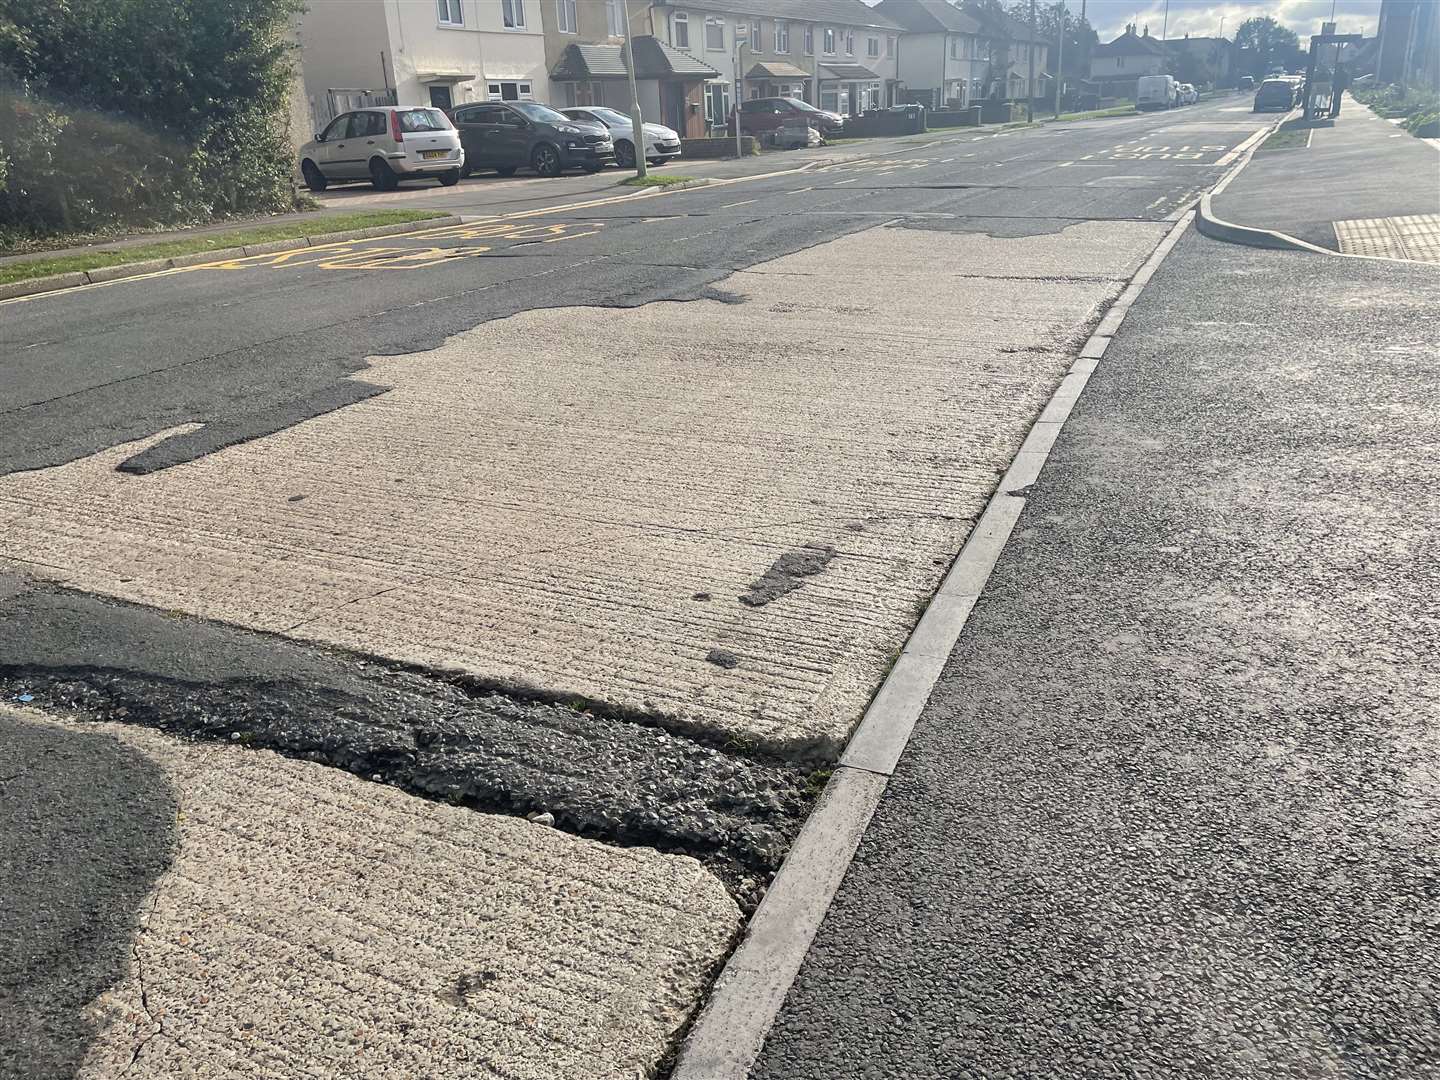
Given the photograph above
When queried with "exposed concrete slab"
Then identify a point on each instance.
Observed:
(401, 937)
(541, 500)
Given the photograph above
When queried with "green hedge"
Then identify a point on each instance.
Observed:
(141, 113)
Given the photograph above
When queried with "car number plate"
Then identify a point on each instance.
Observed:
(434, 153)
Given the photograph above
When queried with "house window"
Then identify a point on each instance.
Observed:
(829, 41)
(757, 42)
(889, 44)
(714, 34)
(450, 13)
(615, 18)
(680, 30)
(829, 101)
(809, 41)
(954, 48)
(508, 91)
(782, 37)
(513, 12)
(849, 42)
(872, 46)
(717, 103)
(565, 17)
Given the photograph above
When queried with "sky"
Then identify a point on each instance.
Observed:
(1203, 17)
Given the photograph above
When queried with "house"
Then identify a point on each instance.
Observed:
(1117, 64)
(414, 52)
(1203, 61)
(584, 48)
(955, 55)
(1409, 43)
(836, 54)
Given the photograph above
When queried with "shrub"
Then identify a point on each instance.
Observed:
(119, 113)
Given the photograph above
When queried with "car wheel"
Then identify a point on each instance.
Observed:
(505, 170)
(545, 160)
(625, 154)
(314, 178)
(382, 177)
(450, 177)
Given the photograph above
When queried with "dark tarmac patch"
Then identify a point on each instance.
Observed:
(785, 573)
(88, 826)
(999, 228)
(721, 658)
(600, 776)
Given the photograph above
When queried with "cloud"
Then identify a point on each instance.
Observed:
(1204, 17)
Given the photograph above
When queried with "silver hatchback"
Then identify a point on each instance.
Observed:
(386, 145)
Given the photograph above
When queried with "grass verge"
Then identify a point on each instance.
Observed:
(656, 180)
(44, 265)
(1097, 114)
(1291, 135)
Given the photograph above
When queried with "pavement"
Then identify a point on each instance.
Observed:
(1362, 185)
(610, 510)
(1171, 808)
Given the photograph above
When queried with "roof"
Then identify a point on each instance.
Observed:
(847, 71)
(776, 69)
(929, 16)
(1130, 44)
(653, 60)
(836, 12)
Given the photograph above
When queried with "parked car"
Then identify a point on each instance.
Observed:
(1275, 95)
(510, 135)
(1156, 92)
(1247, 82)
(763, 116)
(1188, 94)
(388, 144)
(660, 142)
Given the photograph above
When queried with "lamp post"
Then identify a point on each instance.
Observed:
(637, 122)
(740, 39)
(1059, 55)
(1030, 86)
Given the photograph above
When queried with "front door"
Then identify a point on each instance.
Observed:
(440, 97)
(672, 105)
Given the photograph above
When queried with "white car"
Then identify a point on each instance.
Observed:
(660, 142)
(386, 144)
(1188, 94)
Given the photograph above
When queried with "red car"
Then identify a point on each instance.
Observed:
(763, 116)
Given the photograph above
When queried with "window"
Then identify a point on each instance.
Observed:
(450, 13)
(508, 91)
(680, 30)
(889, 44)
(513, 12)
(872, 46)
(809, 41)
(829, 41)
(717, 103)
(954, 48)
(615, 18)
(565, 17)
(782, 37)
(714, 34)
(757, 39)
(849, 42)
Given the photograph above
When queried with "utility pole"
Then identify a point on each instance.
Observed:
(1030, 86)
(1059, 56)
(1165, 26)
(740, 87)
(637, 122)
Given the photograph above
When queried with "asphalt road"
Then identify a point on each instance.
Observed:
(1171, 810)
(246, 349)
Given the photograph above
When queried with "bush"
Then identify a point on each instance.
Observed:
(141, 113)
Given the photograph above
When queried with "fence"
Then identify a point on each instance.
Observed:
(325, 108)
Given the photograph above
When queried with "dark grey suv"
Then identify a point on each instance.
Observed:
(510, 135)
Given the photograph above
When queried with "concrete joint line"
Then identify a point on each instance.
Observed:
(730, 1031)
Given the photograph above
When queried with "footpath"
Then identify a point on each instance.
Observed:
(1359, 184)
(1171, 808)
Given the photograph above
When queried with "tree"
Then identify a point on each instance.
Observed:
(1266, 43)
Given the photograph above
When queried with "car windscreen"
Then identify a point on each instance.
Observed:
(540, 113)
(611, 117)
(424, 120)
(803, 106)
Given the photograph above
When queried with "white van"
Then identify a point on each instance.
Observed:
(1156, 92)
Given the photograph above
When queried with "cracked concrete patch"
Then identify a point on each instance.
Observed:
(315, 924)
(537, 501)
